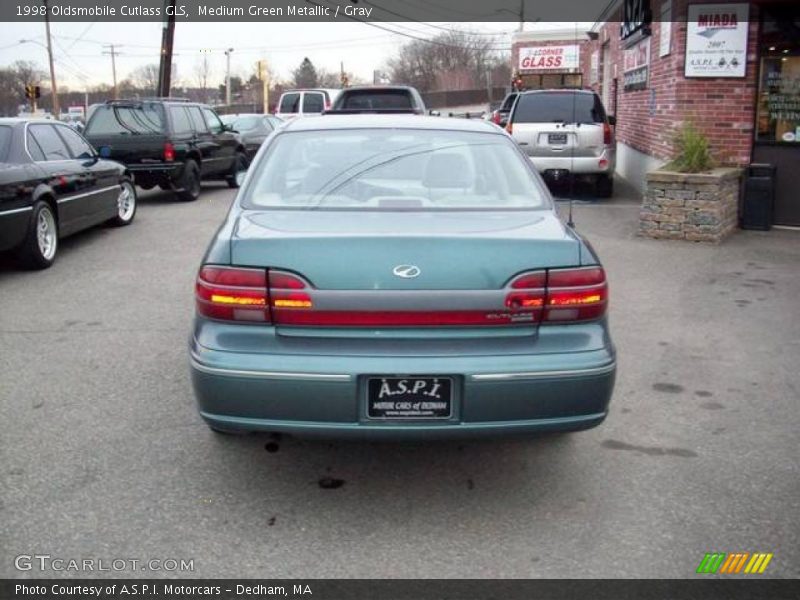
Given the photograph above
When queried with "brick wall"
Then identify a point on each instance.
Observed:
(722, 108)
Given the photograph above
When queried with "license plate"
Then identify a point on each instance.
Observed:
(557, 138)
(409, 398)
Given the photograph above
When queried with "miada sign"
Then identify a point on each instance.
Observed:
(549, 58)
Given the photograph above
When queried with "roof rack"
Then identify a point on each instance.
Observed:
(168, 98)
(370, 111)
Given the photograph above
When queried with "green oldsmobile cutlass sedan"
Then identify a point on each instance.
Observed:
(389, 276)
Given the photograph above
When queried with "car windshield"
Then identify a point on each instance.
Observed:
(5, 142)
(567, 107)
(393, 169)
(376, 99)
(135, 119)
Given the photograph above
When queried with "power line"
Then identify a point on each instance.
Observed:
(406, 17)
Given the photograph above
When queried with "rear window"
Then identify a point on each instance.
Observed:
(567, 107)
(313, 102)
(245, 123)
(110, 119)
(393, 169)
(5, 142)
(509, 101)
(290, 103)
(383, 99)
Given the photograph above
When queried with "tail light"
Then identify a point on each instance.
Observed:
(575, 294)
(283, 298)
(606, 134)
(169, 152)
(232, 294)
(496, 117)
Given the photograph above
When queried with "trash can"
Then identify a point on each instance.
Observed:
(759, 197)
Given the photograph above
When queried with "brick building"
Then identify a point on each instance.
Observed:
(730, 68)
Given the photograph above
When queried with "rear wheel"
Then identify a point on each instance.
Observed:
(239, 170)
(38, 250)
(190, 183)
(604, 186)
(126, 204)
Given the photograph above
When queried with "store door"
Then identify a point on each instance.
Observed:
(777, 131)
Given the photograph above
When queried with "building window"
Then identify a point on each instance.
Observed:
(778, 109)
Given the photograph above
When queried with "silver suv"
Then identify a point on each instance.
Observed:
(566, 133)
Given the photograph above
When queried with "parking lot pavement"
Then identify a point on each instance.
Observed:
(104, 456)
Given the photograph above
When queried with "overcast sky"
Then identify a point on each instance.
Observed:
(78, 47)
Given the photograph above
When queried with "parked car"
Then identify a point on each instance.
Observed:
(499, 114)
(168, 142)
(566, 133)
(399, 276)
(303, 103)
(379, 98)
(54, 184)
(253, 129)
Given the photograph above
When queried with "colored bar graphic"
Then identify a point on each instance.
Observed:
(734, 562)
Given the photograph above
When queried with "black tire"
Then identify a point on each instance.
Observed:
(604, 186)
(239, 166)
(190, 182)
(126, 204)
(36, 252)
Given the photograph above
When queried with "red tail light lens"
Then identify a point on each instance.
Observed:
(606, 134)
(529, 293)
(284, 295)
(496, 118)
(169, 152)
(576, 294)
(232, 294)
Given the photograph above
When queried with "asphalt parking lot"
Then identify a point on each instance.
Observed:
(104, 455)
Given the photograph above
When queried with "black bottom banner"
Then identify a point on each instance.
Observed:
(397, 589)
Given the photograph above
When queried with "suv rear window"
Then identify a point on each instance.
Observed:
(509, 102)
(290, 103)
(112, 119)
(5, 142)
(313, 102)
(567, 107)
(380, 99)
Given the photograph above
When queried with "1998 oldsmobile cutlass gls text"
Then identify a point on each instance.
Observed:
(202, 10)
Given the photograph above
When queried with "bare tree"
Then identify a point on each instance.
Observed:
(424, 64)
(202, 71)
(145, 78)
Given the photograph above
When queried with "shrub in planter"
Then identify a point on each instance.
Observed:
(689, 198)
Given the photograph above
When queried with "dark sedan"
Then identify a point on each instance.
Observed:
(253, 129)
(54, 184)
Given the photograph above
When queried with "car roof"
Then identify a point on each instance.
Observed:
(21, 120)
(559, 90)
(394, 121)
(360, 88)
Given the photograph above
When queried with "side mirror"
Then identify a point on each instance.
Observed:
(434, 113)
(612, 120)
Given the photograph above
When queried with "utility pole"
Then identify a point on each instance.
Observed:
(167, 39)
(263, 75)
(53, 88)
(113, 54)
(521, 15)
(228, 77)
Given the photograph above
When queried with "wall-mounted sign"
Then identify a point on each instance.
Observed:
(636, 18)
(716, 40)
(549, 58)
(665, 23)
(635, 66)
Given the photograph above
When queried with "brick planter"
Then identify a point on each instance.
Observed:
(699, 207)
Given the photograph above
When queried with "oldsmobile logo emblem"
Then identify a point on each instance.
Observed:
(406, 271)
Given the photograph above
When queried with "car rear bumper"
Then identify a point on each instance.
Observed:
(583, 165)
(155, 173)
(318, 396)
